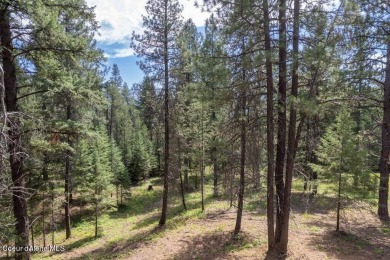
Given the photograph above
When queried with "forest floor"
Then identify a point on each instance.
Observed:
(132, 231)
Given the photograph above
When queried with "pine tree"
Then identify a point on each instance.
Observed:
(46, 33)
(117, 168)
(213, 74)
(161, 24)
(270, 129)
(337, 154)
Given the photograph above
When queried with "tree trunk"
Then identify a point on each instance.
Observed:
(14, 141)
(202, 162)
(80, 206)
(242, 164)
(196, 180)
(183, 199)
(117, 194)
(67, 181)
(43, 220)
(214, 156)
(270, 132)
(282, 240)
(256, 156)
(243, 145)
(231, 187)
(186, 162)
(215, 169)
(32, 234)
(159, 158)
(383, 210)
(166, 120)
(96, 216)
(338, 204)
(111, 121)
(52, 212)
(121, 194)
(281, 134)
(45, 172)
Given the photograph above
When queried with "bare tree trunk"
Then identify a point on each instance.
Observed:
(196, 180)
(270, 132)
(338, 204)
(243, 144)
(80, 206)
(14, 142)
(215, 167)
(282, 240)
(117, 194)
(43, 220)
(202, 166)
(281, 134)
(67, 181)
(32, 234)
(96, 213)
(214, 157)
(242, 163)
(383, 210)
(3, 132)
(183, 199)
(111, 121)
(96, 219)
(257, 157)
(254, 149)
(231, 187)
(121, 194)
(52, 212)
(166, 121)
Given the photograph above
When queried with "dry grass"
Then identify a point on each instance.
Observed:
(132, 232)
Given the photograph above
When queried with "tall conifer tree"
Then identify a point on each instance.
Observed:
(162, 23)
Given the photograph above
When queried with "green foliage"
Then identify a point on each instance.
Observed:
(132, 151)
(341, 151)
(94, 168)
(141, 162)
(117, 166)
(337, 146)
(162, 17)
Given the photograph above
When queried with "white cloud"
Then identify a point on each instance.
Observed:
(119, 18)
(120, 53)
(195, 13)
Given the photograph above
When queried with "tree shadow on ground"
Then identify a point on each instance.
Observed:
(176, 217)
(148, 201)
(176, 212)
(138, 204)
(302, 203)
(80, 242)
(112, 250)
(215, 245)
(76, 244)
(353, 242)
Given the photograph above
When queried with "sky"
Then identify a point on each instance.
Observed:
(118, 19)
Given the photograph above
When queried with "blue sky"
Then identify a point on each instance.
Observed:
(118, 19)
(130, 71)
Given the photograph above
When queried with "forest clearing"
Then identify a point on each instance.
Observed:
(131, 232)
(213, 129)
